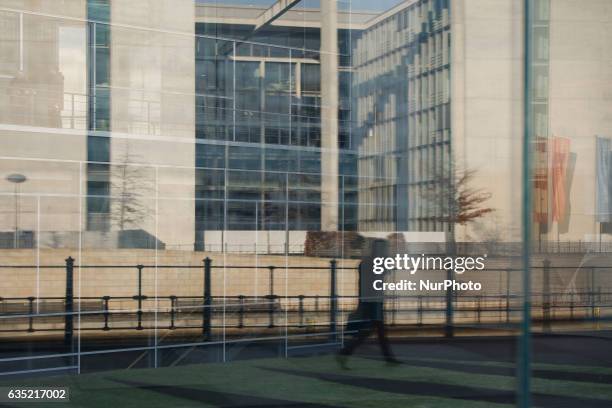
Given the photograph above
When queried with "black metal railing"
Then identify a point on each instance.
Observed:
(323, 311)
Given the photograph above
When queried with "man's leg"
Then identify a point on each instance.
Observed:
(383, 340)
(351, 345)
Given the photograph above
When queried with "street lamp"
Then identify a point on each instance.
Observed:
(16, 179)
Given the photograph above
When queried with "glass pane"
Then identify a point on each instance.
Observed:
(569, 92)
(234, 180)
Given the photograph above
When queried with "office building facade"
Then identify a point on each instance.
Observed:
(182, 180)
(276, 117)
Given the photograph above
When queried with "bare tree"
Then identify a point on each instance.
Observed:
(469, 201)
(130, 186)
(455, 199)
(456, 203)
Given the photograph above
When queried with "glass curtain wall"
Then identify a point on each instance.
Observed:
(171, 195)
(196, 184)
(568, 97)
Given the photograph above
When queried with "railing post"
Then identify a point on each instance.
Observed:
(301, 309)
(106, 313)
(449, 309)
(395, 304)
(31, 314)
(68, 305)
(333, 301)
(508, 296)
(592, 293)
(172, 311)
(598, 308)
(241, 311)
(139, 312)
(271, 298)
(546, 295)
(420, 310)
(206, 312)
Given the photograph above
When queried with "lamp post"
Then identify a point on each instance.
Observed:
(16, 179)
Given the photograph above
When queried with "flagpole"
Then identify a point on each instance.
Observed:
(599, 236)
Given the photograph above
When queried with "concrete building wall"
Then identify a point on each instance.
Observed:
(232, 280)
(487, 109)
(580, 102)
(153, 115)
(329, 116)
(43, 108)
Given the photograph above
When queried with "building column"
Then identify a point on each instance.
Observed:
(329, 115)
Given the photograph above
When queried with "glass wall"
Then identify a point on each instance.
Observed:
(569, 127)
(203, 188)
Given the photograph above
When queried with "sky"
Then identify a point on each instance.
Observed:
(369, 5)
